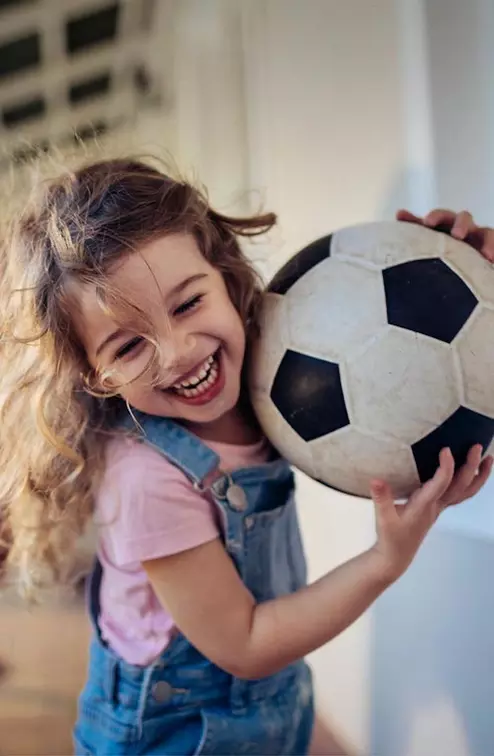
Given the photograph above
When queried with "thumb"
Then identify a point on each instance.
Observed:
(384, 503)
(407, 216)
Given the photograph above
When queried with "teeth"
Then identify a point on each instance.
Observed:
(206, 377)
(191, 382)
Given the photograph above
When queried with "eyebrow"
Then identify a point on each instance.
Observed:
(178, 289)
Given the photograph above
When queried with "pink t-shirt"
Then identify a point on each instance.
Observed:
(147, 508)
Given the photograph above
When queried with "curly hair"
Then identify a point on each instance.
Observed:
(52, 429)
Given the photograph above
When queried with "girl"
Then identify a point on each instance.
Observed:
(128, 312)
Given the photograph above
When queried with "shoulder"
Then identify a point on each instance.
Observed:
(147, 506)
(139, 483)
(130, 462)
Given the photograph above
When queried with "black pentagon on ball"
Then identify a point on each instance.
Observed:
(307, 391)
(462, 430)
(427, 297)
(300, 264)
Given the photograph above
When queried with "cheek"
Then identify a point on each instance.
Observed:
(238, 336)
(228, 322)
(130, 394)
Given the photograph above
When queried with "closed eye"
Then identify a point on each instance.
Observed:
(129, 347)
(190, 304)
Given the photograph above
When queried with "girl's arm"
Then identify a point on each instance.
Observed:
(209, 603)
(215, 611)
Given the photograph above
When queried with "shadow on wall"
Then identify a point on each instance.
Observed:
(432, 654)
(411, 188)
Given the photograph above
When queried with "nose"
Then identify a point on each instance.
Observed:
(183, 343)
(176, 353)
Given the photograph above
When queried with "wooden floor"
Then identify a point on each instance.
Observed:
(43, 653)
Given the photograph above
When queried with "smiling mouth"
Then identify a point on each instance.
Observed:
(201, 382)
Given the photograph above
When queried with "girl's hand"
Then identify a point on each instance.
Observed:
(402, 528)
(459, 225)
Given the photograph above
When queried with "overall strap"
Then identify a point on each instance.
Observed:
(182, 448)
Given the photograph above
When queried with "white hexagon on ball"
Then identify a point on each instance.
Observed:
(386, 244)
(350, 459)
(333, 331)
(409, 400)
(476, 356)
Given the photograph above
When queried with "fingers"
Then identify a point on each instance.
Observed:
(383, 501)
(440, 217)
(465, 476)
(408, 217)
(476, 483)
(487, 241)
(460, 225)
(485, 470)
(481, 239)
(463, 225)
(435, 488)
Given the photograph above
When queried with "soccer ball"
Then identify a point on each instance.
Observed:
(377, 350)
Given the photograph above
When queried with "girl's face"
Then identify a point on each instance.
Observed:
(196, 375)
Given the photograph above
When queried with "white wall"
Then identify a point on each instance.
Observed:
(209, 98)
(461, 69)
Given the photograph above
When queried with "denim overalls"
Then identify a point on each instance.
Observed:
(182, 703)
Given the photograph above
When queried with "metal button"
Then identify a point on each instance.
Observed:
(162, 691)
(220, 486)
(249, 523)
(236, 498)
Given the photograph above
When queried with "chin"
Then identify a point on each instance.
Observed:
(207, 414)
(181, 411)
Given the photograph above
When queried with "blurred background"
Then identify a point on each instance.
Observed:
(330, 112)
